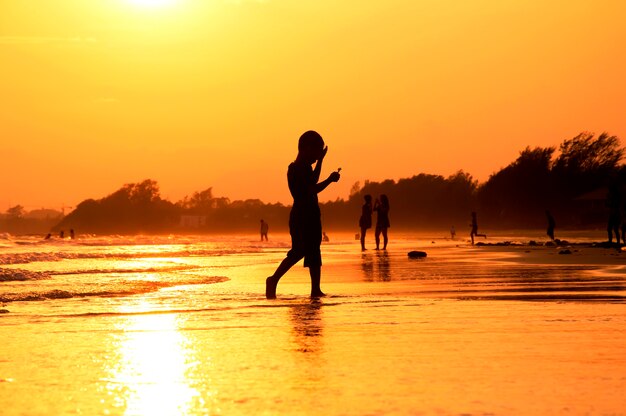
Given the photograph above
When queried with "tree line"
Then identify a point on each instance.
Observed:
(571, 183)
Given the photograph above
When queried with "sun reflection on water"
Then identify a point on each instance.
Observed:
(152, 371)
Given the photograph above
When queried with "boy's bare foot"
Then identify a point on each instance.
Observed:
(270, 287)
(317, 294)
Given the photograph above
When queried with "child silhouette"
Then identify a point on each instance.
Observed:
(305, 225)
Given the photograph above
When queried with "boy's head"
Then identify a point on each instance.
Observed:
(311, 144)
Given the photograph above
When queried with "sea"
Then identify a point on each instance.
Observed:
(179, 325)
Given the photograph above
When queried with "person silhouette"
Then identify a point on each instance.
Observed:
(474, 226)
(551, 225)
(613, 201)
(72, 235)
(623, 215)
(305, 224)
(382, 220)
(264, 229)
(452, 232)
(365, 221)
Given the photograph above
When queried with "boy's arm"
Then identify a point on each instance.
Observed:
(318, 166)
(333, 177)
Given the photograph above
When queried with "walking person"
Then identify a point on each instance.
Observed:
(305, 224)
(474, 226)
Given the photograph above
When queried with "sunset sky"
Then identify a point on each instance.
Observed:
(199, 93)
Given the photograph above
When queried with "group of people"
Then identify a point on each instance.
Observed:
(61, 235)
(381, 206)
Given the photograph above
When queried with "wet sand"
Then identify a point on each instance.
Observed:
(468, 330)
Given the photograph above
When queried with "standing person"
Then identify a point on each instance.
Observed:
(623, 215)
(613, 201)
(305, 224)
(365, 221)
(551, 225)
(264, 229)
(452, 232)
(474, 226)
(382, 220)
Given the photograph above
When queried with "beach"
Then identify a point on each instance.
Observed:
(179, 325)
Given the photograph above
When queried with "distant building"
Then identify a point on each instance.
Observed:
(192, 221)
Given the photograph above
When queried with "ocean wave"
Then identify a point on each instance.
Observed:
(164, 269)
(32, 257)
(19, 275)
(125, 289)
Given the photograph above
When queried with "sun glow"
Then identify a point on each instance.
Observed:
(152, 3)
(153, 367)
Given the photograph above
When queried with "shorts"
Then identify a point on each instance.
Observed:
(306, 239)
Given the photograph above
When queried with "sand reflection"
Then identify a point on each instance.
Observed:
(308, 327)
(375, 266)
(153, 367)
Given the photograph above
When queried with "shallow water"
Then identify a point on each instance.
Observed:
(179, 325)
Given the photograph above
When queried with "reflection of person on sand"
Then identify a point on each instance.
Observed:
(375, 267)
(474, 226)
(365, 221)
(551, 225)
(305, 225)
(382, 220)
(264, 229)
(307, 325)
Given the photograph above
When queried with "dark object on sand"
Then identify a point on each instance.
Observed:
(566, 251)
(417, 254)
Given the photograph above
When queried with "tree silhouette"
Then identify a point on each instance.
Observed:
(16, 212)
(515, 196)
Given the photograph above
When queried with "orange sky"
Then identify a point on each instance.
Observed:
(200, 93)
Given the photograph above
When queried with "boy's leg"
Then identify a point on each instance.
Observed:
(316, 276)
(272, 281)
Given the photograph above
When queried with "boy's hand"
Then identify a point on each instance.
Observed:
(323, 154)
(334, 177)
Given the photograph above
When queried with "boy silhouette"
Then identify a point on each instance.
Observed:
(305, 224)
